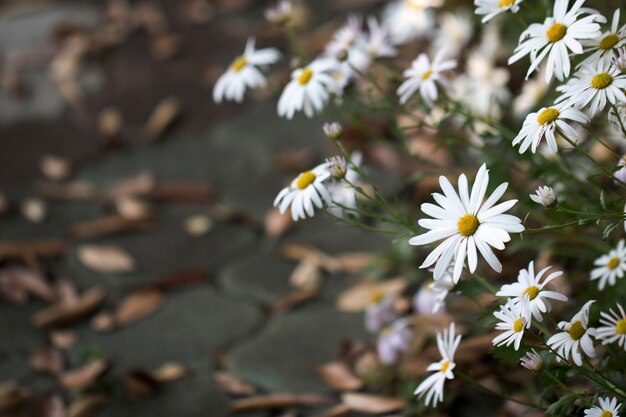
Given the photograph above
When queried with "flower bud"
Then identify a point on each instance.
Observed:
(545, 196)
(333, 131)
(337, 167)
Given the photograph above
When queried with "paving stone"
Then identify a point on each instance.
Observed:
(164, 249)
(284, 355)
(191, 325)
(18, 334)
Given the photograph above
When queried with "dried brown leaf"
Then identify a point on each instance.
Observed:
(293, 300)
(86, 405)
(109, 224)
(84, 376)
(278, 400)
(139, 385)
(306, 276)
(162, 117)
(105, 258)
(60, 314)
(47, 359)
(137, 306)
(310, 254)
(170, 371)
(140, 184)
(29, 249)
(372, 404)
(360, 296)
(340, 410)
(17, 282)
(338, 376)
(66, 293)
(277, 224)
(232, 384)
(63, 339)
(132, 208)
(12, 396)
(104, 321)
(352, 262)
(180, 279)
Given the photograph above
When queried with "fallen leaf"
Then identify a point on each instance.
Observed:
(63, 339)
(47, 359)
(338, 376)
(139, 385)
(340, 410)
(277, 224)
(132, 208)
(170, 371)
(55, 168)
(66, 293)
(306, 276)
(112, 223)
(140, 184)
(12, 396)
(179, 279)
(309, 254)
(293, 299)
(352, 262)
(137, 306)
(105, 258)
(60, 314)
(84, 376)
(86, 405)
(162, 117)
(359, 297)
(104, 321)
(372, 404)
(232, 384)
(16, 283)
(34, 210)
(271, 401)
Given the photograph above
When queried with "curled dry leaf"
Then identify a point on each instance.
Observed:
(63, 339)
(277, 224)
(337, 375)
(278, 401)
(132, 208)
(137, 306)
(232, 384)
(112, 223)
(162, 117)
(55, 168)
(353, 262)
(26, 250)
(170, 371)
(310, 254)
(16, 283)
(360, 296)
(47, 359)
(63, 314)
(180, 279)
(140, 184)
(105, 258)
(86, 405)
(12, 396)
(84, 376)
(66, 293)
(306, 276)
(372, 404)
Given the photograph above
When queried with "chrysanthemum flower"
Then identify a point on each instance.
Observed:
(513, 322)
(409, 19)
(532, 361)
(594, 86)
(609, 407)
(529, 293)
(492, 8)
(244, 73)
(575, 337)
(425, 76)
(378, 44)
(466, 223)
(350, 40)
(305, 192)
(614, 327)
(432, 387)
(308, 89)
(544, 123)
(607, 44)
(393, 340)
(610, 267)
(556, 36)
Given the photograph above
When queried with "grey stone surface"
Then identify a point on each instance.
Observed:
(191, 326)
(284, 355)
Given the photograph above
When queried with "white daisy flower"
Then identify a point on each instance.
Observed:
(575, 337)
(432, 387)
(492, 8)
(350, 40)
(609, 407)
(556, 36)
(308, 89)
(393, 340)
(513, 322)
(431, 298)
(544, 123)
(532, 361)
(409, 19)
(466, 223)
(244, 73)
(546, 196)
(425, 76)
(529, 293)
(607, 44)
(614, 327)
(378, 44)
(305, 192)
(610, 267)
(594, 86)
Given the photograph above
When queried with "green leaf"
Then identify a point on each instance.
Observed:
(564, 406)
(508, 354)
(602, 200)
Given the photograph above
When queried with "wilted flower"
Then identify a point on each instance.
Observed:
(342, 192)
(280, 13)
(337, 167)
(380, 312)
(620, 61)
(546, 196)
(532, 361)
(393, 340)
(333, 130)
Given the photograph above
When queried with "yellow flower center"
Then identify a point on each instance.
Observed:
(427, 74)
(609, 41)
(576, 330)
(606, 413)
(532, 292)
(518, 325)
(468, 225)
(377, 297)
(239, 63)
(505, 3)
(445, 366)
(305, 76)
(620, 327)
(613, 263)
(549, 115)
(601, 81)
(556, 32)
(305, 179)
